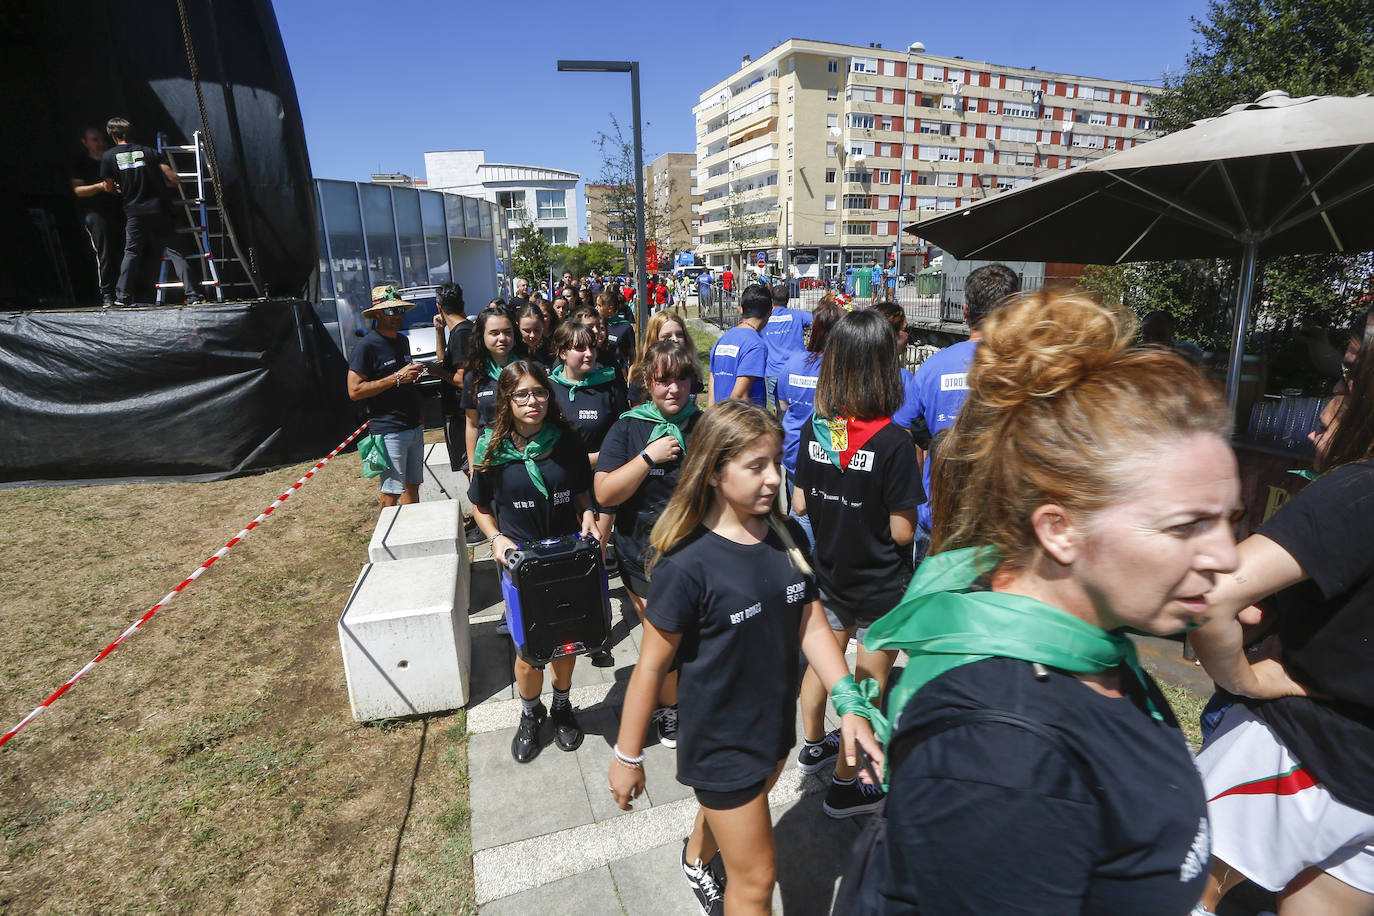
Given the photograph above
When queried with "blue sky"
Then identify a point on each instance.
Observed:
(381, 83)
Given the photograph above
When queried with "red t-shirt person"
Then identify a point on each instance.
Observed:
(727, 280)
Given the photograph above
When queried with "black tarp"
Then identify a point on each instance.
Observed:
(67, 64)
(201, 393)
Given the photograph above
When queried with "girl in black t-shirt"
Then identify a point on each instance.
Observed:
(591, 396)
(532, 325)
(492, 346)
(637, 473)
(531, 482)
(733, 598)
(660, 326)
(858, 481)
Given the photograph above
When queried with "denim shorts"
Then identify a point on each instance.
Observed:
(406, 452)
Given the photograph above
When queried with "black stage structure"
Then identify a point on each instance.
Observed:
(157, 393)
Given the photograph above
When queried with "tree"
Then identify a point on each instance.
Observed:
(530, 259)
(747, 228)
(583, 259)
(1244, 49)
(618, 202)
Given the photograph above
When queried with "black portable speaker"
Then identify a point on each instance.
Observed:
(557, 599)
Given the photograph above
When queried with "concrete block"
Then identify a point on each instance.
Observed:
(404, 637)
(441, 482)
(418, 530)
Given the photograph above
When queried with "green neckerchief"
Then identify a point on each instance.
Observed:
(493, 370)
(618, 319)
(598, 376)
(942, 624)
(664, 425)
(542, 443)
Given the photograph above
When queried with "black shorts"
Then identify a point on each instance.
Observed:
(729, 800)
(634, 579)
(846, 616)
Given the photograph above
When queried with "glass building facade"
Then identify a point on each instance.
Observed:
(377, 234)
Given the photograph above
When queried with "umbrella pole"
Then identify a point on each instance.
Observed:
(1245, 286)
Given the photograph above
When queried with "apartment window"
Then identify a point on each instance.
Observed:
(947, 179)
(947, 129)
(830, 225)
(1019, 134)
(861, 148)
(1077, 161)
(930, 127)
(789, 95)
(1014, 83)
(922, 178)
(832, 120)
(829, 176)
(858, 202)
(513, 202)
(1025, 159)
(790, 121)
(863, 64)
(925, 203)
(944, 203)
(884, 176)
(858, 175)
(1097, 117)
(1003, 182)
(934, 73)
(552, 205)
(1018, 110)
(555, 235)
(691, 173)
(789, 178)
(832, 148)
(863, 228)
(830, 201)
(1102, 95)
(928, 153)
(949, 154)
(949, 103)
(789, 151)
(832, 94)
(860, 120)
(862, 93)
(832, 66)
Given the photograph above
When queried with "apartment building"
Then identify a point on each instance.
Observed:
(600, 227)
(543, 197)
(806, 147)
(670, 201)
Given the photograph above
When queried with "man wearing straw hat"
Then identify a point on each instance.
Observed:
(381, 374)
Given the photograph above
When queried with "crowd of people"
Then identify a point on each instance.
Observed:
(1004, 515)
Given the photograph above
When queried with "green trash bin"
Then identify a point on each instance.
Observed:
(928, 283)
(863, 284)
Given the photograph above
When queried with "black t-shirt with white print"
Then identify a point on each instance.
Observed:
(620, 338)
(635, 517)
(525, 515)
(479, 394)
(137, 170)
(991, 818)
(1326, 627)
(857, 563)
(593, 409)
(739, 609)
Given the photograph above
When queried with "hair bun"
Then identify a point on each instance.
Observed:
(1039, 345)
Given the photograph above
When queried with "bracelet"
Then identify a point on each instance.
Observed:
(632, 762)
(398, 379)
(647, 460)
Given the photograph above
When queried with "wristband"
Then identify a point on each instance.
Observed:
(636, 762)
(647, 460)
(398, 379)
(857, 699)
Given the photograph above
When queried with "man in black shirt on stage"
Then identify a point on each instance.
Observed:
(100, 212)
(142, 178)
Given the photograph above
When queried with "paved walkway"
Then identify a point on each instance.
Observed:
(546, 836)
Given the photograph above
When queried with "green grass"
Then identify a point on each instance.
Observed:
(703, 342)
(1187, 707)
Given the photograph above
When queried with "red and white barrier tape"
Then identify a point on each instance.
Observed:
(176, 591)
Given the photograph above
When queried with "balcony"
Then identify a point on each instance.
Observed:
(764, 165)
(716, 133)
(706, 163)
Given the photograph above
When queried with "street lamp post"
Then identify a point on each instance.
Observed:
(919, 48)
(631, 67)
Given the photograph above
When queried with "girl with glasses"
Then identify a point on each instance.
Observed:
(637, 473)
(494, 343)
(532, 482)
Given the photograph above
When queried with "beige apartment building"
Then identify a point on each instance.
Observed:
(669, 186)
(598, 227)
(804, 147)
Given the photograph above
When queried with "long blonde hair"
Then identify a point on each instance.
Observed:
(636, 375)
(1061, 409)
(723, 432)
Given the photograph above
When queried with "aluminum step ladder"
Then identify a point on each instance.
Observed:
(197, 217)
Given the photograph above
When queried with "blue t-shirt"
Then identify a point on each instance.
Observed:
(703, 283)
(783, 336)
(941, 385)
(740, 351)
(797, 386)
(911, 401)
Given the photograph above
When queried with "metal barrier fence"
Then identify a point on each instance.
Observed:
(721, 307)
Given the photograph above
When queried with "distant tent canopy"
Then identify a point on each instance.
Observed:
(66, 65)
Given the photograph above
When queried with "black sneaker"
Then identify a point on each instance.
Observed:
(473, 535)
(525, 746)
(850, 799)
(667, 725)
(567, 734)
(710, 897)
(812, 758)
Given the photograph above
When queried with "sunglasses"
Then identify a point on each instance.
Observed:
(392, 310)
